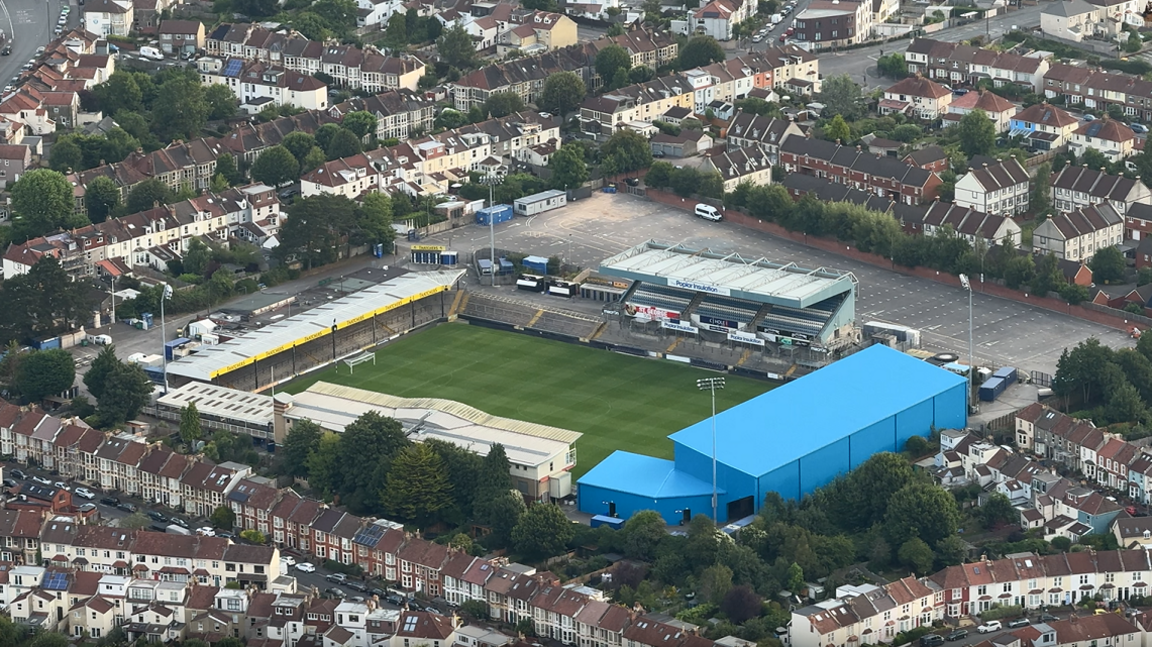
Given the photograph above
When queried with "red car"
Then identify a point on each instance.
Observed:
(783, 37)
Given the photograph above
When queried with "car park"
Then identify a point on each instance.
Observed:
(84, 493)
(959, 634)
(110, 500)
(989, 627)
(305, 567)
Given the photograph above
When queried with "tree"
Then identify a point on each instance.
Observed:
(562, 93)
(66, 156)
(795, 581)
(611, 59)
(368, 447)
(222, 103)
(700, 51)
(502, 104)
(323, 465)
(299, 143)
(275, 166)
(642, 534)
(223, 518)
(1108, 265)
(893, 66)
(254, 536)
(543, 531)
(97, 376)
(625, 151)
(641, 74)
(127, 390)
(997, 511)
(714, 583)
(568, 168)
(180, 109)
(1018, 271)
(841, 96)
(396, 33)
(314, 227)
(302, 440)
(916, 555)
(361, 122)
(313, 160)
(44, 373)
(417, 487)
(197, 258)
(1134, 43)
(148, 194)
(190, 430)
(869, 488)
(456, 48)
(920, 510)
(135, 521)
(101, 197)
(976, 133)
(374, 223)
(42, 202)
(344, 143)
(501, 513)
(741, 604)
(615, 29)
(838, 131)
(1126, 405)
(1040, 198)
(120, 92)
(226, 169)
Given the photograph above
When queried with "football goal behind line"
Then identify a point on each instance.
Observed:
(360, 359)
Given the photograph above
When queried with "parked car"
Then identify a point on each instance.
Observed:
(17, 474)
(1018, 622)
(959, 634)
(381, 593)
(127, 507)
(1138, 128)
(357, 586)
(9, 483)
(41, 480)
(1047, 617)
(206, 531)
(338, 578)
(335, 592)
(179, 522)
(110, 500)
(85, 493)
(61, 485)
(305, 567)
(989, 627)
(156, 516)
(1089, 118)
(88, 507)
(931, 640)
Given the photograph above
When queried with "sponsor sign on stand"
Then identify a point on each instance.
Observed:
(677, 326)
(745, 338)
(651, 312)
(706, 288)
(722, 323)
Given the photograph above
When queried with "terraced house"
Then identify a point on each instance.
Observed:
(1097, 90)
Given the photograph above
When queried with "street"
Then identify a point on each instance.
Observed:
(1006, 333)
(860, 64)
(37, 20)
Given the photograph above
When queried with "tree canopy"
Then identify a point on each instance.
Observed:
(700, 51)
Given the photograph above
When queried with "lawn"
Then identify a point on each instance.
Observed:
(616, 401)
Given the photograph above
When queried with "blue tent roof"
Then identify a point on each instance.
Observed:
(644, 476)
(800, 417)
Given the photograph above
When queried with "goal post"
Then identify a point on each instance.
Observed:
(359, 359)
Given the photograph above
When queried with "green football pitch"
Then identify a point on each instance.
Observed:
(615, 401)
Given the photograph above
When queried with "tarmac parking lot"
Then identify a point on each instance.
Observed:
(1005, 332)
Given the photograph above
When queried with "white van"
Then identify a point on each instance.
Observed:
(708, 212)
(152, 53)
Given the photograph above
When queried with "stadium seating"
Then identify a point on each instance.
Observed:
(809, 320)
(727, 308)
(659, 296)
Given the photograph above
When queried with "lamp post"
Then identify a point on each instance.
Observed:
(491, 179)
(112, 293)
(971, 358)
(167, 294)
(711, 384)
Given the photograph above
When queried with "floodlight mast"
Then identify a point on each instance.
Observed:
(711, 384)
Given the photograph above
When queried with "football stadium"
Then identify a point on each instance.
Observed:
(726, 297)
(790, 440)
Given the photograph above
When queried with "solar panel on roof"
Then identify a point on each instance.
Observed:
(56, 582)
(233, 67)
(369, 535)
